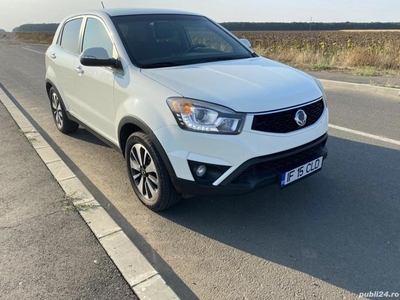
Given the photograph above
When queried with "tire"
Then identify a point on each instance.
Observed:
(148, 175)
(60, 117)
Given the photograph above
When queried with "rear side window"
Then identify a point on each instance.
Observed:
(96, 35)
(70, 35)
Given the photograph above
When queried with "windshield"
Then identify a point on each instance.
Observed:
(154, 41)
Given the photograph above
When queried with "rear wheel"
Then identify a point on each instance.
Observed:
(60, 117)
(149, 176)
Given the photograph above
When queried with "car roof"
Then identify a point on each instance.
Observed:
(112, 12)
(144, 11)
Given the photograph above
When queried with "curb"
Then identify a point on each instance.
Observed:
(134, 267)
(362, 87)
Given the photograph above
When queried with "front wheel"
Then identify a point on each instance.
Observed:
(148, 175)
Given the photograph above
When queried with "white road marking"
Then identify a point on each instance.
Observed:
(32, 50)
(368, 135)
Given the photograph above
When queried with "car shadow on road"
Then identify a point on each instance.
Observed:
(84, 135)
(341, 225)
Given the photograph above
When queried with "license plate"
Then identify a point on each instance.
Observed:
(301, 171)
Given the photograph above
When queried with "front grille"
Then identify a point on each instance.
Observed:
(283, 122)
(262, 168)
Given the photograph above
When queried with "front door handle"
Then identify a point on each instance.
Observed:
(79, 70)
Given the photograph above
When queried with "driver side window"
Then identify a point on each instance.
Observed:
(204, 36)
(96, 35)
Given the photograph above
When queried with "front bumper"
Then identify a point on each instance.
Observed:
(257, 172)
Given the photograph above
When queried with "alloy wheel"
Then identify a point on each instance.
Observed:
(144, 173)
(57, 110)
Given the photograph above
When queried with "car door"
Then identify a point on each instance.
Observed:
(95, 85)
(62, 58)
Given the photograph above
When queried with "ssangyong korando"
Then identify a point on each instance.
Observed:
(193, 109)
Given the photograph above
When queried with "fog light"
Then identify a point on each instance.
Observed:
(206, 174)
(201, 170)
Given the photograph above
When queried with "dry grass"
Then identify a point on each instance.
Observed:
(361, 52)
(366, 52)
(35, 37)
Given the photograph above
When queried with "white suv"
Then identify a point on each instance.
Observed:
(193, 109)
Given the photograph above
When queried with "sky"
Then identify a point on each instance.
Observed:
(16, 12)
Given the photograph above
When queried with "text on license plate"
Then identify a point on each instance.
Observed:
(301, 171)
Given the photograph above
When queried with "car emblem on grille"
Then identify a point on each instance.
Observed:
(301, 117)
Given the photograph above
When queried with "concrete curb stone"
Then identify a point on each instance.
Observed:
(362, 87)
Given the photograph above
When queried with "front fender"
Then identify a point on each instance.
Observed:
(142, 126)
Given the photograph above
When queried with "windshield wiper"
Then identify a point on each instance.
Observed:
(161, 64)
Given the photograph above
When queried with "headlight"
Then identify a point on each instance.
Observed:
(322, 90)
(205, 117)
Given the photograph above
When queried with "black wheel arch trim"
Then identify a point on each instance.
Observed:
(48, 81)
(146, 129)
(62, 101)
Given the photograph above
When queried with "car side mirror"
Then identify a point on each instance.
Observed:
(97, 57)
(246, 43)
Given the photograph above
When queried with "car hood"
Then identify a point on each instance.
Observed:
(244, 85)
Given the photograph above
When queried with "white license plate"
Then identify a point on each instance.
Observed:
(301, 171)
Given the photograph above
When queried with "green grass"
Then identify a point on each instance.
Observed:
(365, 71)
(321, 66)
(68, 202)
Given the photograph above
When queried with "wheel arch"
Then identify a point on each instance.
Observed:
(49, 85)
(129, 125)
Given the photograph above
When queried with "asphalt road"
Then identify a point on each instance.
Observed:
(47, 251)
(331, 236)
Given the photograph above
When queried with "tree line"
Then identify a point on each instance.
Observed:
(48, 27)
(302, 26)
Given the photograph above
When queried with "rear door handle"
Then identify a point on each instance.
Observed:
(79, 70)
(53, 56)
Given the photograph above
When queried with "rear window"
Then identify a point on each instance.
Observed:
(70, 35)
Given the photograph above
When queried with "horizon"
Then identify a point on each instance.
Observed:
(20, 12)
